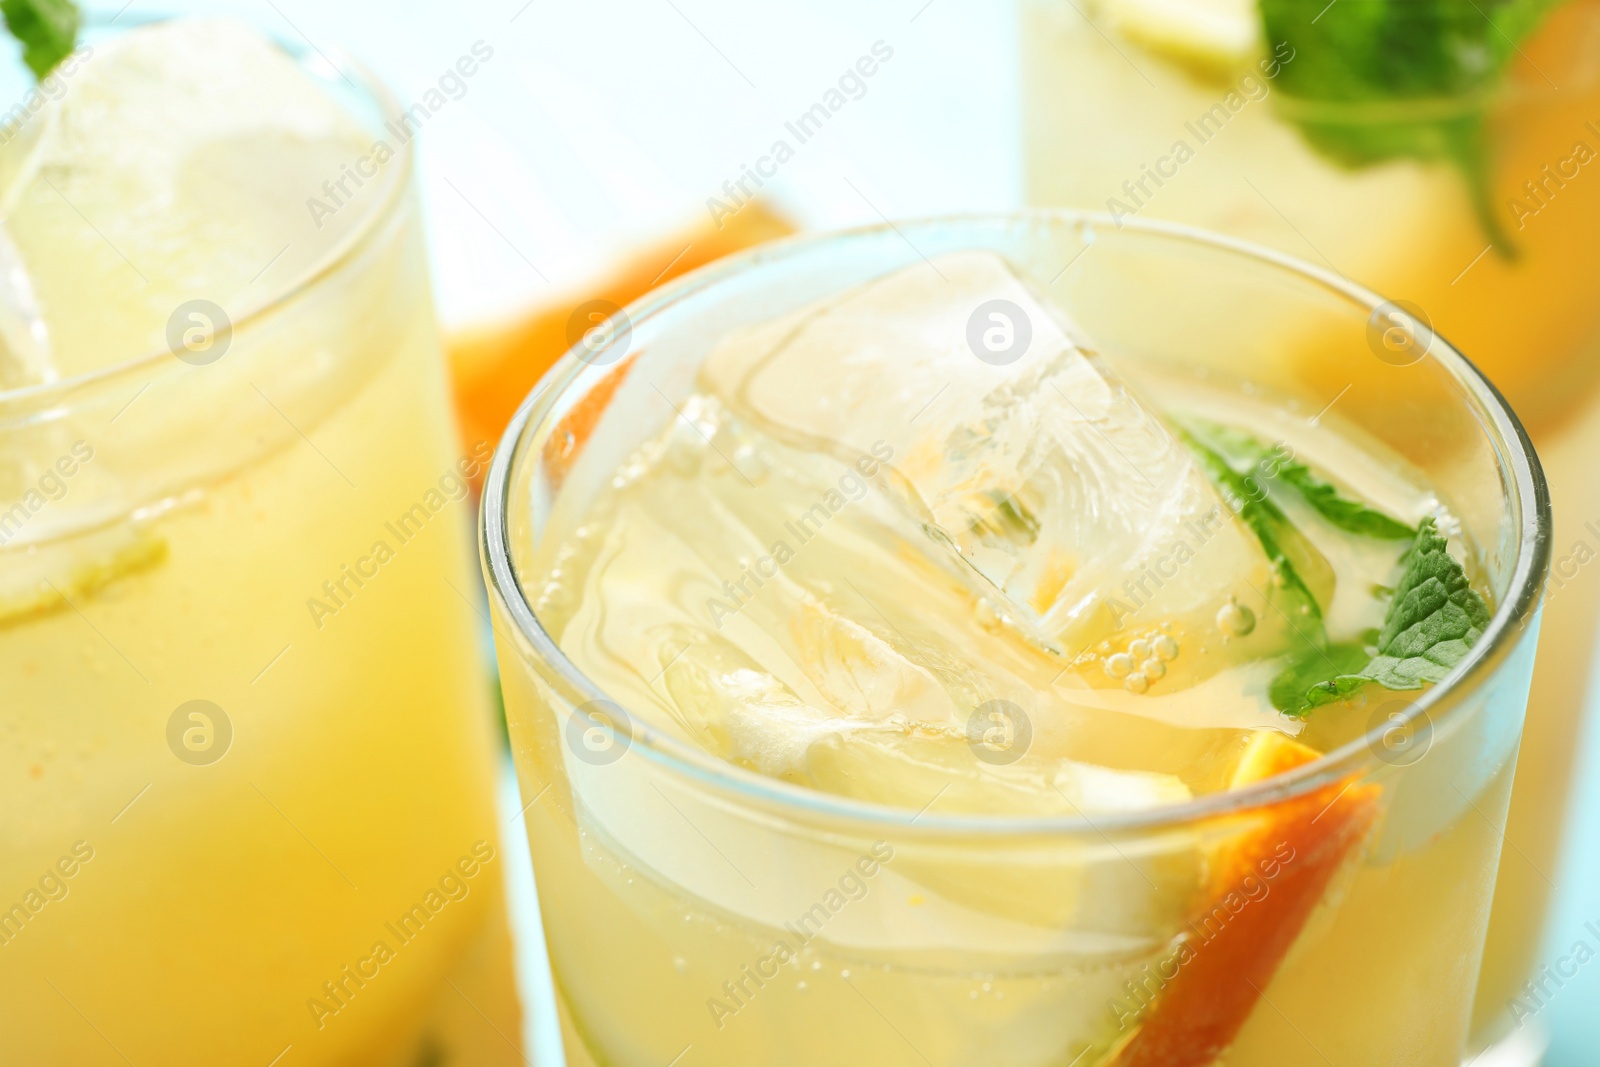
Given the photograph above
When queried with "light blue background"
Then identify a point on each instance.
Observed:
(1573, 1012)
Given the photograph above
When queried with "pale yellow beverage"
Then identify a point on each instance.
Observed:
(1209, 114)
(971, 643)
(247, 761)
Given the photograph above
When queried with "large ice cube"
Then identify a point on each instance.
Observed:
(1011, 439)
(853, 652)
(179, 164)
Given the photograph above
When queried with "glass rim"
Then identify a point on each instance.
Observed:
(391, 194)
(1528, 494)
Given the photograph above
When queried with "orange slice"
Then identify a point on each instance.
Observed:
(1264, 881)
(493, 367)
(562, 448)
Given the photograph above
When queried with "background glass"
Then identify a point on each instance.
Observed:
(1101, 111)
(219, 797)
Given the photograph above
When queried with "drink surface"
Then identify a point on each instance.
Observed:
(245, 732)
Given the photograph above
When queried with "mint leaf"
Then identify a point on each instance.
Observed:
(1312, 679)
(1341, 511)
(1273, 530)
(48, 30)
(1434, 618)
(1438, 62)
(1349, 515)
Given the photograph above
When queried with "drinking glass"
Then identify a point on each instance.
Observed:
(248, 762)
(697, 912)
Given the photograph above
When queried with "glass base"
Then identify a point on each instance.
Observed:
(1519, 1048)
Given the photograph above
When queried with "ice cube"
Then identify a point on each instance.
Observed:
(861, 673)
(735, 709)
(1138, 891)
(179, 164)
(915, 767)
(1011, 440)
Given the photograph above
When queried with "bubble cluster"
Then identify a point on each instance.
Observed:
(1143, 661)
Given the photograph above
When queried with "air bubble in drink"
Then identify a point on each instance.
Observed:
(1235, 620)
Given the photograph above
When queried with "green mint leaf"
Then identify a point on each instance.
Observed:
(48, 30)
(1438, 62)
(1276, 463)
(1349, 515)
(1277, 535)
(1434, 619)
(1314, 677)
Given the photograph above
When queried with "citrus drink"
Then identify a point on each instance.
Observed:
(919, 649)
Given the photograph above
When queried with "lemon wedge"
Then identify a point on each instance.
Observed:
(1215, 36)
